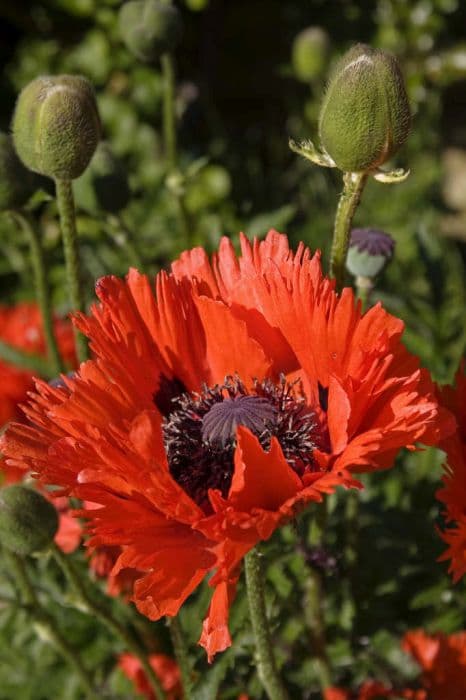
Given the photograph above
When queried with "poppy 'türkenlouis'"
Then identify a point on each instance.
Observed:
(219, 402)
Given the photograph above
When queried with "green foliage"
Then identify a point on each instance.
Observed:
(16, 182)
(238, 101)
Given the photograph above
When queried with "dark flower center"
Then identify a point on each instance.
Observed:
(220, 422)
(200, 431)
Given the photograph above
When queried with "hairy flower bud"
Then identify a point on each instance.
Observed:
(56, 126)
(104, 185)
(149, 28)
(365, 115)
(28, 521)
(310, 53)
(17, 183)
(369, 252)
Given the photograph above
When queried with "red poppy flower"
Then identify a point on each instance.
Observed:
(165, 668)
(442, 659)
(217, 406)
(373, 690)
(21, 327)
(102, 562)
(70, 531)
(453, 493)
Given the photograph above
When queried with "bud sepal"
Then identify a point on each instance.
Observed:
(365, 116)
(56, 126)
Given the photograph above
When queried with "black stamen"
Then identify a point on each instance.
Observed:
(200, 431)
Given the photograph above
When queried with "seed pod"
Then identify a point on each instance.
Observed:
(56, 126)
(17, 183)
(149, 28)
(28, 521)
(310, 53)
(365, 115)
(370, 250)
(104, 185)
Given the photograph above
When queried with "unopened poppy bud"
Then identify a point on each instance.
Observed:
(365, 115)
(17, 183)
(28, 521)
(104, 185)
(310, 54)
(369, 252)
(56, 126)
(149, 28)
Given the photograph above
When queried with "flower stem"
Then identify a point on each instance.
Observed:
(47, 622)
(350, 197)
(364, 287)
(265, 659)
(105, 616)
(41, 287)
(314, 598)
(316, 625)
(26, 360)
(350, 556)
(181, 655)
(170, 141)
(169, 115)
(66, 209)
(122, 237)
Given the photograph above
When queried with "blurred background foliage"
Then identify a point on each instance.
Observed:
(246, 81)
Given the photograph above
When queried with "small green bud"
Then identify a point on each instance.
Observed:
(104, 185)
(365, 115)
(17, 183)
(149, 28)
(28, 521)
(369, 252)
(310, 54)
(56, 126)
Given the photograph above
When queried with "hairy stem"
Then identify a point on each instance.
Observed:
(42, 617)
(66, 210)
(313, 611)
(169, 114)
(123, 238)
(349, 199)
(170, 141)
(26, 360)
(364, 287)
(41, 288)
(265, 659)
(314, 598)
(103, 614)
(181, 655)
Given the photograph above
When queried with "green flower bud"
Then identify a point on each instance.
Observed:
(365, 115)
(369, 252)
(28, 521)
(56, 126)
(310, 54)
(17, 183)
(104, 185)
(149, 28)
